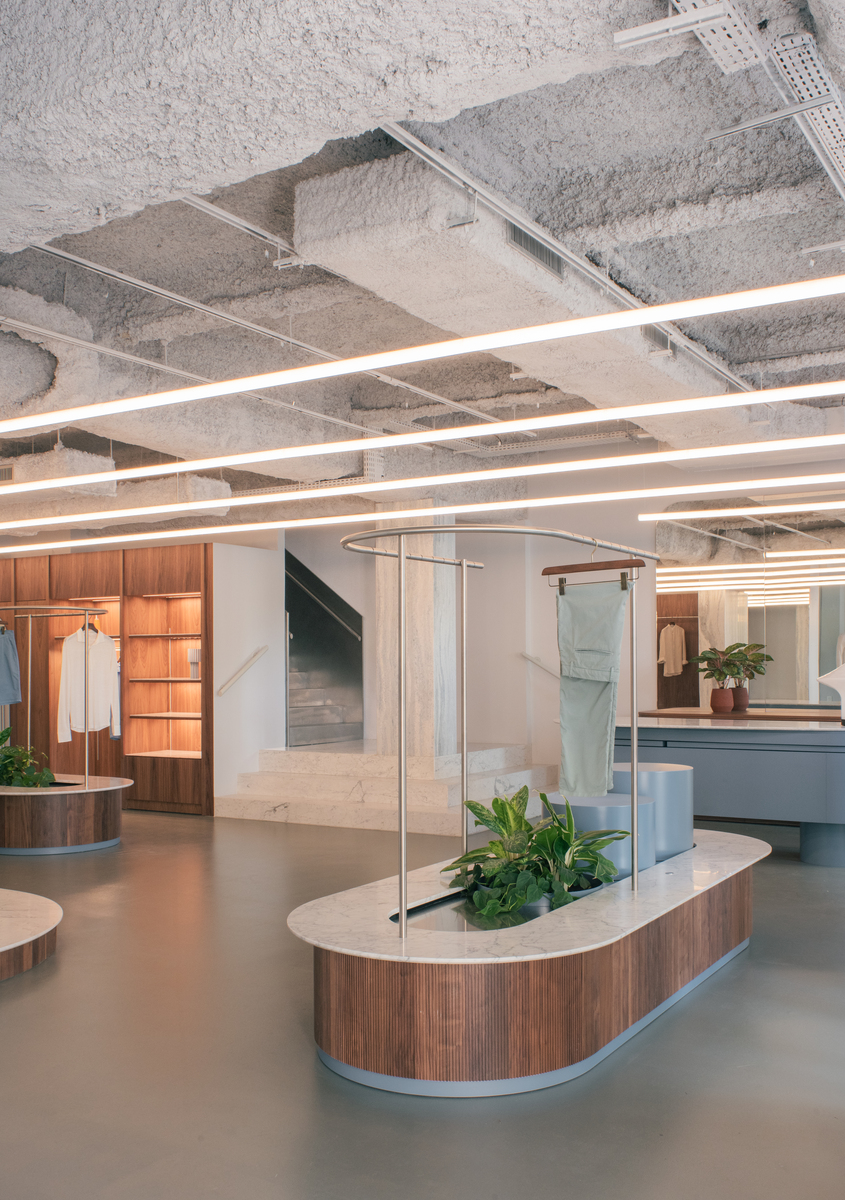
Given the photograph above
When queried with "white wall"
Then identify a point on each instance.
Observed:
(249, 612)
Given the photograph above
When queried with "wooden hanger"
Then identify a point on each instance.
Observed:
(623, 565)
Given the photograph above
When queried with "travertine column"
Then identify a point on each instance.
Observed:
(431, 644)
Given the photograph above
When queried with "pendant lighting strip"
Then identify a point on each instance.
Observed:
(438, 351)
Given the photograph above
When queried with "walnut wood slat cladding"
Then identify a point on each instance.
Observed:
(32, 579)
(23, 958)
(484, 1021)
(59, 819)
(85, 575)
(156, 569)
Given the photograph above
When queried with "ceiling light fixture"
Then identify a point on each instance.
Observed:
(820, 554)
(295, 452)
(494, 474)
(786, 293)
(700, 514)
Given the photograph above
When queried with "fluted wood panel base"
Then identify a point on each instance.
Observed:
(22, 958)
(487, 1021)
(48, 819)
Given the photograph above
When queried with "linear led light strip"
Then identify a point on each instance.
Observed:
(744, 568)
(434, 510)
(296, 452)
(756, 510)
(804, 553)
(391, 485)
(786, 293)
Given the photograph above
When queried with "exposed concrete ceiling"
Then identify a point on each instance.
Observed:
(271, 115)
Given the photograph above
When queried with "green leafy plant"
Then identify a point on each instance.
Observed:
(751, 661)
(526, 862)
(19, 765)
(721, 665)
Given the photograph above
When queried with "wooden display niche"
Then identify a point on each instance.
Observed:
(158, 603)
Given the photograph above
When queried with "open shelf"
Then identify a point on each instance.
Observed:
(164, 679)
(170, 637)
(166, 716)
(165, 754)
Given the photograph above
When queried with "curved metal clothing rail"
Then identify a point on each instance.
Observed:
(52, 610)
(352, 542)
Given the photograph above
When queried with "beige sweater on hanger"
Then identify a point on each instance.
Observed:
(672, 649)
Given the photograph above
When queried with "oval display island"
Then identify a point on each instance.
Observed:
(459, 1010)
(64, 818)
(28, 926)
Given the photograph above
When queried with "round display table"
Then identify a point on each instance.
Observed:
(27, 931)
(64, 818)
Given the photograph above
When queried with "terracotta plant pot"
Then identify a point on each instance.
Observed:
(721, 700)
(740, 699)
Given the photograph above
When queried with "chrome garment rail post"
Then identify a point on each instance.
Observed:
(464, 747)
(29, 685)
(635, 749)
(87, 627)
(403, 746)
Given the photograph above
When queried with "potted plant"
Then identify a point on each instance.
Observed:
(751, 661)
(722, 666)
(535, 867)
(19, 765)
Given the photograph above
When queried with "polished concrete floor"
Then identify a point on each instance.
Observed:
(165, 1052)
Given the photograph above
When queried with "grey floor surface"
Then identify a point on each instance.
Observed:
(166, 1052)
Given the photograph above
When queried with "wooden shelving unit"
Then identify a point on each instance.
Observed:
(159, 606)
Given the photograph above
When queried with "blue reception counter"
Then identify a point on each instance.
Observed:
(757, 771)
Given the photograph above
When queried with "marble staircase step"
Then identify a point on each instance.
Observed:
(360, 761)
(355, 790)
(313, 735)
(317, 714)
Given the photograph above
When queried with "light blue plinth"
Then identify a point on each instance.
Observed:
(822, 844)
(614, 812)
(670, 787)
(60, 849)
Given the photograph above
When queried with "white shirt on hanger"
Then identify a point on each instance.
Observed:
(672, 649)
(103, 685)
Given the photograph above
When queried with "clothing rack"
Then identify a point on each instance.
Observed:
(628, 569)
(32, 611)
(353, 542)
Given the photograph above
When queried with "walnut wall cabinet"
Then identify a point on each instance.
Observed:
(159, 607)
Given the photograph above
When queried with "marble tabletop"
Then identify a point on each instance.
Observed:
(71, 783)
(24, 917)
(357, 922)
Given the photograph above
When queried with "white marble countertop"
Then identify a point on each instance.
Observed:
(357, 922)
(71, 783)
(24, 917)
(723, 725)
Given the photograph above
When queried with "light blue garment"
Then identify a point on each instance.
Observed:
(590, 623)
(10, 671)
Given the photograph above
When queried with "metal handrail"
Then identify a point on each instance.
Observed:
(317, 600)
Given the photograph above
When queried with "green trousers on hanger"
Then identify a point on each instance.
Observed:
(590, 624)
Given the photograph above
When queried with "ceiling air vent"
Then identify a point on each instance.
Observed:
(534, 249)
(7, 474)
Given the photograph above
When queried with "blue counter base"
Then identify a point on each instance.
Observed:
(60, 849)
(526, 1083)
